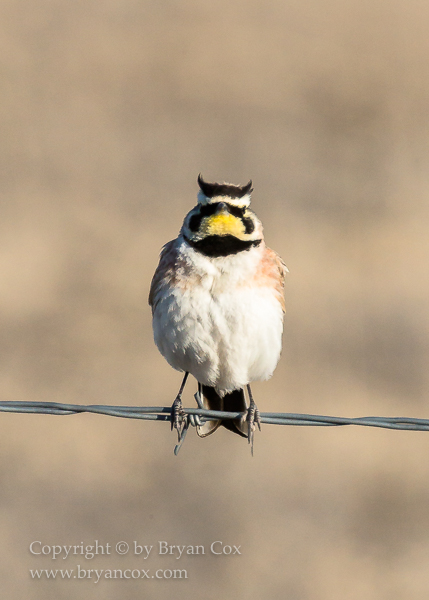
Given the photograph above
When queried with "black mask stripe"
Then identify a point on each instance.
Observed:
(237, 211)
(209, 209)
(195, 222)
(221, 245)
(248, 225)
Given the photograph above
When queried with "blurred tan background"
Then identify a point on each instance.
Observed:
(108, 111)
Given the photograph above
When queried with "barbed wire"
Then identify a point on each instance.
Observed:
(198, 416)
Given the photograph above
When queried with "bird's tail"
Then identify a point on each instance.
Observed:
(231, 402)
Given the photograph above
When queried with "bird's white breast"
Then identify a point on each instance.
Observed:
(222, 328)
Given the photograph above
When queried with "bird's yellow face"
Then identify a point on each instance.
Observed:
(222, 223)
(222, 228)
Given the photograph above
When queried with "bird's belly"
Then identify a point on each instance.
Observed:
(225, 340)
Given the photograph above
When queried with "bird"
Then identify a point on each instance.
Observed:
(217, 299)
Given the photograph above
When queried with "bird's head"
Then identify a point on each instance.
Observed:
(222, 222)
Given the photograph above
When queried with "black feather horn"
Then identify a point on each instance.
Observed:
(224, 189)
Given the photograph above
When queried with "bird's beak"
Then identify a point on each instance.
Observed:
(221, 208)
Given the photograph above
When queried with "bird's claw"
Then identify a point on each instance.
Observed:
(178, 417)
(253, 418)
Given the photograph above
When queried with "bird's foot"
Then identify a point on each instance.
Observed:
(178, 417)
(253, 418)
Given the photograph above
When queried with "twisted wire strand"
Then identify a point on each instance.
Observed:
(198, 416)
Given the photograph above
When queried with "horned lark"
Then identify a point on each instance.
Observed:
(217, 304)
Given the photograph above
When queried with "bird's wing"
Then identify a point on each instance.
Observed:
(272, 272)
(164, 273)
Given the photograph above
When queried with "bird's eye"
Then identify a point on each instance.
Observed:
(208, 209)
(237, 211)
